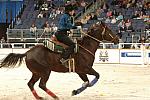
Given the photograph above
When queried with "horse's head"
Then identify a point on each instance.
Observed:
(102, 33)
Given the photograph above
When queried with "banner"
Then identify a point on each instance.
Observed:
(107, 56)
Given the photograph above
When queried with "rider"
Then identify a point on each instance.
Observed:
(64, 25)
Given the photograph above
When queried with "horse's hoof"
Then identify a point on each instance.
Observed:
(56, 98)
(40, 98)
(74, 92)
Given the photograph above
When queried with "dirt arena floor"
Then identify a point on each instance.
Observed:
(117, 82)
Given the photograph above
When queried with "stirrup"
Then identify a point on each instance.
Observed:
(62, 60)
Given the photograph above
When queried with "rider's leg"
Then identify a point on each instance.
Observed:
(66, 40)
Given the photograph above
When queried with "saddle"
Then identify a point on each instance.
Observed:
(56, 46)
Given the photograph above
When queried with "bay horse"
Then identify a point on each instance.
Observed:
(41, 61)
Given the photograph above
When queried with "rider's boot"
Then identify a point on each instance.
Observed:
(65, 55)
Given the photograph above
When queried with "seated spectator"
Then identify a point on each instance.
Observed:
(109, 13)
(54, 28)
(48, 30)
(121, 25)
(40, 15)
(3, 40)
(33, 29)
(44, 6)
(18, 21)
(128, 24)
(113, 21)
(141, 15)
(135, 15)
(108, 20)
(119, 17)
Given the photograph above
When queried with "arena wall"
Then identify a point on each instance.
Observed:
(103, 56)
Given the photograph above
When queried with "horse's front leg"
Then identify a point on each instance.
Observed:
(86, 81)
(93, 72)
(84, 85)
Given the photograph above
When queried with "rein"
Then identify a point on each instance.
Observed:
(94, 39)
(87, 50)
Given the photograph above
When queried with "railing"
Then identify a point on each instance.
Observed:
(101, 45)
(24, 35)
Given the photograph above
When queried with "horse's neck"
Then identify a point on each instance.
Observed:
(90, 44)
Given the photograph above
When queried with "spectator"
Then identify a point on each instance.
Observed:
(33, 30)
(47, 30)
(18, 21)
(54, 28)
(3, 40)
(128, 24)
(121, 25)
(109, 13)
(119, 17)
(135, 15)
(113, 21)
(108, 20)
(44, 6)
(40, 15)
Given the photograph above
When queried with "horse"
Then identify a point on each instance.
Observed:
(41, 61)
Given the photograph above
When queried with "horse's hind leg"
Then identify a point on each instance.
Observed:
(42, 85)
(31, 83)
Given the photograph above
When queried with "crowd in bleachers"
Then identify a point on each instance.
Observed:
(127, 17)
(130, 19)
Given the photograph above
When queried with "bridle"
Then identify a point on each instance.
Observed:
(103, 33)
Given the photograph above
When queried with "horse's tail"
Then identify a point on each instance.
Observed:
(12, 59)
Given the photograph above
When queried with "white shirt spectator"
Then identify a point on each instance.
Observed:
(113, 21)
(47, 29)
(18, 21)
(33, 29)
